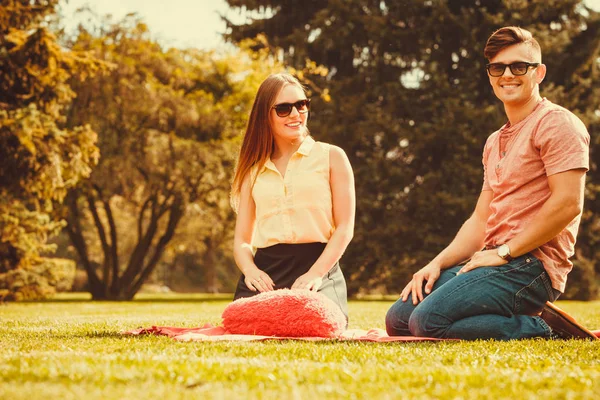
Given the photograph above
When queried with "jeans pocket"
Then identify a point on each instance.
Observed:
(531, 299)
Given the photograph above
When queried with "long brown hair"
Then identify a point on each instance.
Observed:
(258, 143)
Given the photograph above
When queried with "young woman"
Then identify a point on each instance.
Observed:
(294, 198)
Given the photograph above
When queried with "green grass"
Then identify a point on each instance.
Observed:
(70, 348)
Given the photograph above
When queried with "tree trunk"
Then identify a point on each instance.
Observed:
(175, 213)
(74, 231)
(124, 287)
(209, 266)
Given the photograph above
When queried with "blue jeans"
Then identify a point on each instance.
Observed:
(484, 303)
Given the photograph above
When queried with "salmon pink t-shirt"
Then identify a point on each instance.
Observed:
(517, 161)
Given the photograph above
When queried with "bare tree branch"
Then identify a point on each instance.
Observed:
(74, 230)
(141, 214)
(175, 215)
(102, 236)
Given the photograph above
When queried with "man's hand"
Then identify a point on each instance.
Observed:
(429, 273)
(485, 258)
(257, 279)
(310, 280)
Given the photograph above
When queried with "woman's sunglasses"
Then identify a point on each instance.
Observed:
(285, 109)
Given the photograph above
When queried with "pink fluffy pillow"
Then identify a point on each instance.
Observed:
(285, 312)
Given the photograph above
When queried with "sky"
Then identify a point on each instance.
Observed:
(177, 23)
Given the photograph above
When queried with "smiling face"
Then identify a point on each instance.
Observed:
(293, 126)
(513, 90)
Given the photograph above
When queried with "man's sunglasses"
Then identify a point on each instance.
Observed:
(285, 109)
(517, 68)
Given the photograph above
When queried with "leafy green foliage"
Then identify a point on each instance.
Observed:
(168, 123)
(40, 158)
(409, 100)
(42, 279)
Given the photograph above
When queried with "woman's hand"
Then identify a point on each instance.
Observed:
(310, 280)
(258, 280)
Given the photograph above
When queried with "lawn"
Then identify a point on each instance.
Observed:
(71, 348)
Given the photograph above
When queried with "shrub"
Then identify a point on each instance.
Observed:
(38, 281)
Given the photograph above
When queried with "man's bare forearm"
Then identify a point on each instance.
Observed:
(468, 240)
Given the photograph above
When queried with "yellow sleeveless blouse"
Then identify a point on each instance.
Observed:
(296, 208)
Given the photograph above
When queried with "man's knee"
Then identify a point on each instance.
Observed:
(396, 323)
(424, 322)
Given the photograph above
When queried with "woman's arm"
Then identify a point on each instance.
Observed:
(341, 179)
(242, 248)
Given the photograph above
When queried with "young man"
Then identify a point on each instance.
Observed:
(522, 233)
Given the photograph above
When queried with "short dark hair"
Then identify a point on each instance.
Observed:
(509, 36)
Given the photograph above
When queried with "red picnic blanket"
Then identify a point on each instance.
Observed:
(209, 332)
(212, 333)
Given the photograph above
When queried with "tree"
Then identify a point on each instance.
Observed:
(40, 158)
(168, 121)
(200, 256)
(411, 104)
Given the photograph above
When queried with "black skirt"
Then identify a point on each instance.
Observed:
(284, 263)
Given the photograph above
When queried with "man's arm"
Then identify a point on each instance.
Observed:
(470, 237)
(564, 204)
(468, 240)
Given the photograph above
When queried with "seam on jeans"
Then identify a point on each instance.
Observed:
(518, 298)
(527, 261)
(548, 286)
(524, 262)
(485, 276)
(544, 325)
(526, 265)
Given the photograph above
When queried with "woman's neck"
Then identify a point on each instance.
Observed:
(285, 148)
